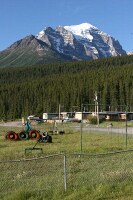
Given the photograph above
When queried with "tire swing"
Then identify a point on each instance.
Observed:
(23, 135)
(11, 135)
(34, 134)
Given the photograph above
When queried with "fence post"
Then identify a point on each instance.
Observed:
(81, 129)
(126, 127)
(65, 174)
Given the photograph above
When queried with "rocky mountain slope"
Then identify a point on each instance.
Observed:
(63, 43)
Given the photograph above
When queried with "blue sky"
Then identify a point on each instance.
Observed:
(19, 18)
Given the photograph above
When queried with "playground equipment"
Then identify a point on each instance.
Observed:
(44, 137)
(34, 148)
(23, 135)
(11, 135)
(57, 130)
(29, 133)
(26, 134)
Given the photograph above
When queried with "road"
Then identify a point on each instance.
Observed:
(87, 128)
(11, 124)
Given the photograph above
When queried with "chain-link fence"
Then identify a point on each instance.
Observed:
(102, 170)
(87, 137)
(86, 176)
(36, 178)
(106, 137)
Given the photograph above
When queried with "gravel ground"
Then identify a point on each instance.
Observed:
(12, 124)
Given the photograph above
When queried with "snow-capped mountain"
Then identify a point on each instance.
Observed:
(63, 43)
(83, 41)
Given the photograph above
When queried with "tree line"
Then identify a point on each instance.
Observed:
(37, 89)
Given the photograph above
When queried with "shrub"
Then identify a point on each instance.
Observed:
(92, 119)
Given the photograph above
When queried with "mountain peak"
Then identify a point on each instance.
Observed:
(80, 27)
(81, 30)
(83, 41)
(76, 42)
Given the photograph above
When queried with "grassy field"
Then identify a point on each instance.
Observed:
(88, 177)
(92, 142)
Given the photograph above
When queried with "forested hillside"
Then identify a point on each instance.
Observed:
(38, 89)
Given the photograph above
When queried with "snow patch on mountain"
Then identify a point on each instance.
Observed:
(81, 31)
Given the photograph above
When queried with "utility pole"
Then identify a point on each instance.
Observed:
(59, 112)
(96, 108)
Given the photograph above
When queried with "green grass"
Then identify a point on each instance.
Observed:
(95, 177)
(92, 142)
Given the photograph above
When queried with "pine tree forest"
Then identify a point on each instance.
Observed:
(41, 88)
